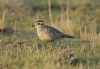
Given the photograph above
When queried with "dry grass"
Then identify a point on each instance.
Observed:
(2, 19)
(23, 49)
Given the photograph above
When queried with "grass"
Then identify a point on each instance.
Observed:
(23, 50)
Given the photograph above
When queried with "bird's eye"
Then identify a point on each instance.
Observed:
(39, 23)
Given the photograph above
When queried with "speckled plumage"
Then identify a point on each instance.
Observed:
(47, 33)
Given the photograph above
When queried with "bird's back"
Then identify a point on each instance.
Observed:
(56, 33)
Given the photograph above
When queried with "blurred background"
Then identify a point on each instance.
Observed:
(34, 5)
(20, 47)
(71, 16)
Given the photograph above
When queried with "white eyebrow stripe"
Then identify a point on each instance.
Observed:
(40, 22)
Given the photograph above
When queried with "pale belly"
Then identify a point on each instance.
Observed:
(44, 36)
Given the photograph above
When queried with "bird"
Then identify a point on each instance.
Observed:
(47, 33)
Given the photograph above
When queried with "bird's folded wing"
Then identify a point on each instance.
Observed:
(55, 33)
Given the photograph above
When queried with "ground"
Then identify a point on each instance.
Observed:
(21, 49)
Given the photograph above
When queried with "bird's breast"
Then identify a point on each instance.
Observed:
(44, 35)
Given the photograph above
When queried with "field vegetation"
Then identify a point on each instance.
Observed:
(20, 47)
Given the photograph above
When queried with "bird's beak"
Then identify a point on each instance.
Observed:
(33, 25)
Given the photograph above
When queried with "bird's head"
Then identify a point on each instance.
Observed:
(39, 23)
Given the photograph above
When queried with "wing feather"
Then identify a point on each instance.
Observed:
(56, 33)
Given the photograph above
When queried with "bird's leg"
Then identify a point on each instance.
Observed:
(50, 48)
(50, 45)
